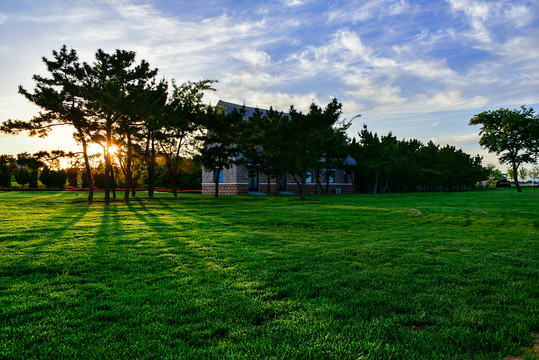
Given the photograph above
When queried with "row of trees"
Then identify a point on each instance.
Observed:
(27, 169)
(116, 102)
(276, 143)
(386, 164)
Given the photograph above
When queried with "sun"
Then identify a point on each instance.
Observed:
(113, 149)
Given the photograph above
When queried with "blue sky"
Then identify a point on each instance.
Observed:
(420, 69)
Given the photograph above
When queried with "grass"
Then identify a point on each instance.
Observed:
(400, 276)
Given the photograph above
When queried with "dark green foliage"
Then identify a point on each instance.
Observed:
(311, 134)
(5, 178)
(22, 177)
(53, 178)
(32, 181)
(295, 143)
(180, 119)
(513, 135)
(62, 97)
(7, 162)
(121, 93)
(219, 149)
(267, 144)
(398, 276)
(72, 176)
(389, 165)
(99, 180)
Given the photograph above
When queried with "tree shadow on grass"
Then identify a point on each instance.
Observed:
(54, 238)
(203, 282)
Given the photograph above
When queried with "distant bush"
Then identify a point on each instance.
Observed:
(72, 177)
(22, 177)
(32, 182)
(52, 178)
(99, 180)
(5, 178)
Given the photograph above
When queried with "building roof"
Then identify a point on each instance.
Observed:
(249, 111)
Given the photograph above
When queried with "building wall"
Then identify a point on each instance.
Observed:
(236, 182)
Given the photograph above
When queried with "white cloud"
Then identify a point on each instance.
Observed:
(453, 100)
(257, 59)
(461, 140)
(293, 2)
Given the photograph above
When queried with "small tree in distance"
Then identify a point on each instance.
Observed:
(513, 135)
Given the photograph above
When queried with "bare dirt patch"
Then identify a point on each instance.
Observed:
(528, 352)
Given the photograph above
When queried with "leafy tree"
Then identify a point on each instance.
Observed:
(176, 137)
(109, 80)
(22, 177)
(267, 145)
(309, 131)
(368, 154)
(72, 174)
(145, 103)
(524, 173)
(513, 135)
(7, 162)
(220, 142)
(32, 165)
(62, 97)
(492, 173)
(335, 148)
(392, 165)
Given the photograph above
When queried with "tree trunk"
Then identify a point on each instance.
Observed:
(107, 160)
(172, 170)
(216, 180)
(113, 181)
(303, 184)
(269, 183)
(151, 168)
(88, 170)
(128, 172)
(376, 183)
(515, 177)
(386, 187)
(328, 173)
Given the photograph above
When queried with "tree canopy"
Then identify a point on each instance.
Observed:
(513, 135)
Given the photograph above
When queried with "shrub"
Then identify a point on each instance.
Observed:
(52, 178)
(72, 177)
(22, 177)
(5, 178)
(32, 181)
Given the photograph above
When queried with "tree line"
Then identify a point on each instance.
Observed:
(27, 169)
(386, 164)
(117, 102)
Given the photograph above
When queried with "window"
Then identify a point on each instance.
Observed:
(218, 176)
(331, 174)
(309, 176)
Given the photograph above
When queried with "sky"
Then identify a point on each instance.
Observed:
(418, 68)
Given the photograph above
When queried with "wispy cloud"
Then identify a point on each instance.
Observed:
(405, 67)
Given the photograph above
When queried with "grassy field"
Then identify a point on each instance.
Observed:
(399, 276)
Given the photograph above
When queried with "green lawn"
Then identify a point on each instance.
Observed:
(399, 276)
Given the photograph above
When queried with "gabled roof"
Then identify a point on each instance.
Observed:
(249, 111)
